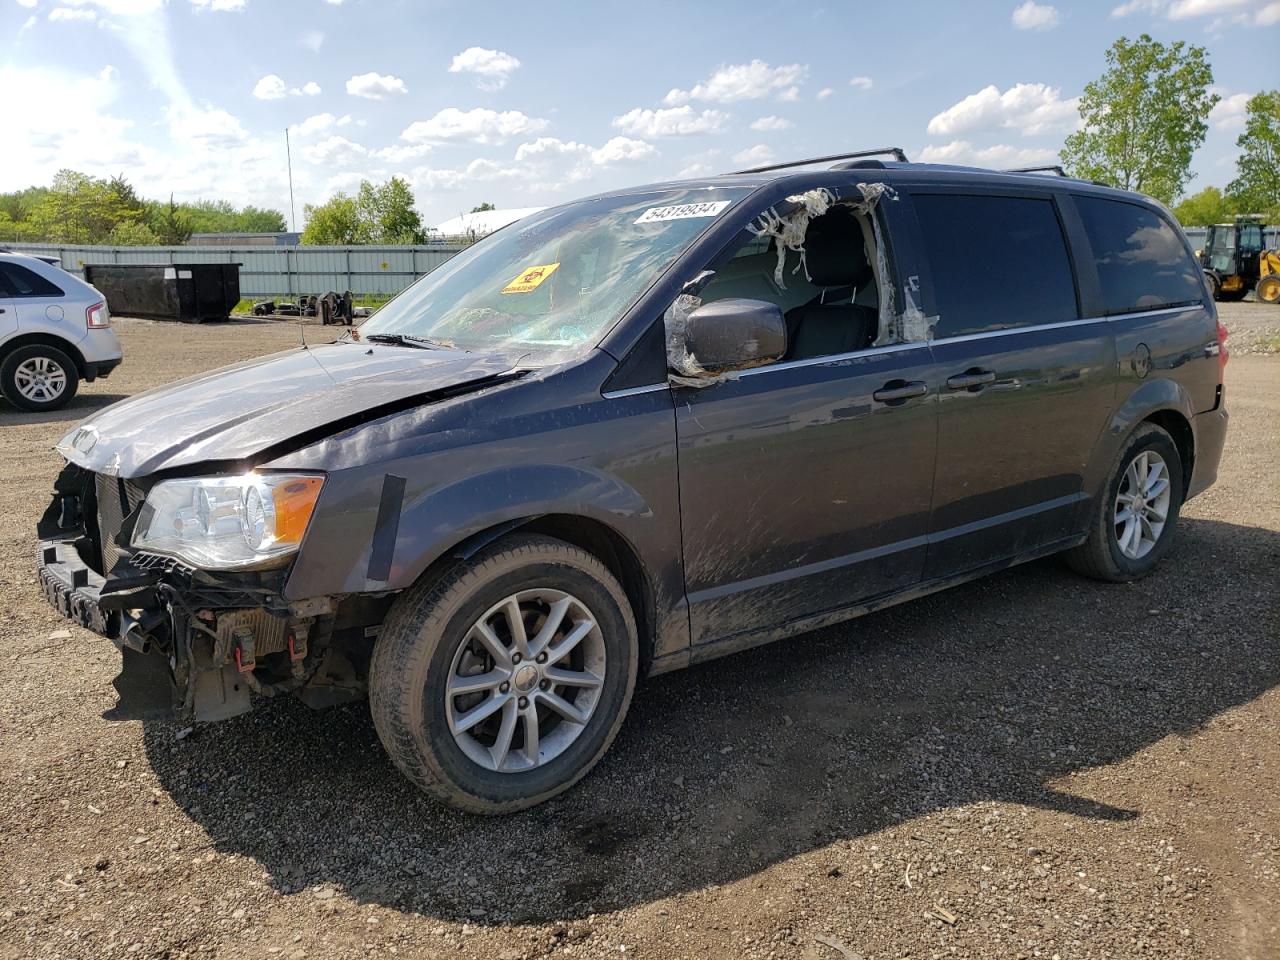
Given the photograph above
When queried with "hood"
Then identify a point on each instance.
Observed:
(238, 411)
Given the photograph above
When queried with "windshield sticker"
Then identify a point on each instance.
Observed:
(683, 211)
(528, 281)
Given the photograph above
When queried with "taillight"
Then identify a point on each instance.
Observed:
(1222, 349)
(97, 316)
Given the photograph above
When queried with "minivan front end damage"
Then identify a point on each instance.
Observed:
(196, 643)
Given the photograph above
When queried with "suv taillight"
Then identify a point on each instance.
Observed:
(1222, 350)
(97, 316)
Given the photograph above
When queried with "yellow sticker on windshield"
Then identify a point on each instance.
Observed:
(528, 281)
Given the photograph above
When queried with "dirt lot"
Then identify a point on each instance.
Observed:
(1033, 765)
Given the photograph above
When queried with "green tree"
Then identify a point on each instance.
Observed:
(170, 222)
(132, 233)
(484, 207)
(1208, 206)
(387, 213)
(1143, 118)
(81, 209)
(335, 222)
(219, 216)
(1256, 187)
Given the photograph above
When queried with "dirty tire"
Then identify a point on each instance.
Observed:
(1100, 556)
(1268, 289)
(38, 351)
(414, 655)
(1215, 286)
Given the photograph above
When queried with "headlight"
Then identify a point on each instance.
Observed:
(224, 523)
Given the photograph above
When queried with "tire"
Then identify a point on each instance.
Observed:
(430, 639)
(30, 377)
(1215, 285)
(1268, 289)
(1103, 556)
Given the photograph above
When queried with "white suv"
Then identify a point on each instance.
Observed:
(55, 330)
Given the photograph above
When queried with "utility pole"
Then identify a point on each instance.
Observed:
(293, 211)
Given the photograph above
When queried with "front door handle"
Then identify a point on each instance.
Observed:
(900, 390)
(970, 379)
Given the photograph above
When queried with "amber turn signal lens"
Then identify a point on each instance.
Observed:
(294, 501)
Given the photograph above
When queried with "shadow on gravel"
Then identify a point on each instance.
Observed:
(80, 407)
(991, 691)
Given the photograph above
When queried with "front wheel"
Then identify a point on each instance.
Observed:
(38, 377)
(1268, 289)
(501, 684)
(1134, 521)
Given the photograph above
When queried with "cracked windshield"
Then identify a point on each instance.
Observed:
(550, 286)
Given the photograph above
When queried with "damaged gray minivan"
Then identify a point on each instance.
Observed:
(643, 430)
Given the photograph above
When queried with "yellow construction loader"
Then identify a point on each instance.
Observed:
(1235, 261)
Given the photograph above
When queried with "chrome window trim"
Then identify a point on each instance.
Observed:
(634, 391)
(917, 344)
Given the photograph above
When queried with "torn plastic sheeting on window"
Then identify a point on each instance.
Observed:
(790, 228)
(910, 326)
(683, 368)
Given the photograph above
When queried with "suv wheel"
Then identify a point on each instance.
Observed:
(501, 684)
(1134, 520)
(38, 377)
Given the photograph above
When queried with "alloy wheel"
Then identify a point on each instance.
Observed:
(1142, 504)
(40, 379)
(525, 680)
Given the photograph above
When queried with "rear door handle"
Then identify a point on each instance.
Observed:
(900, 390)
(970, 379)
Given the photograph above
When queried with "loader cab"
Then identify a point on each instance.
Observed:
(1230, 257)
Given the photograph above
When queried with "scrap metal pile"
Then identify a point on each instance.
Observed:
(331, 308)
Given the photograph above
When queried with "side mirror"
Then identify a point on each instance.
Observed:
(734, 334)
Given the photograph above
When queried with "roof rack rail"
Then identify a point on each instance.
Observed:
(1050, 168)
(896, 152)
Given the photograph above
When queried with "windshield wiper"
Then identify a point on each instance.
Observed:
(408, 340)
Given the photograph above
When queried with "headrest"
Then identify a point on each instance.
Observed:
(834, 250)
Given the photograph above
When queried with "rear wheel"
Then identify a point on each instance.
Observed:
(1268, 289)
(1215, 285)
(504, 682)
(38, 377)
(1135, 517)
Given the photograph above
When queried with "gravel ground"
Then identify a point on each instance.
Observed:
(1033, 765)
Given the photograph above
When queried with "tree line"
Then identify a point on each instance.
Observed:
(1148, 113)
(77, 208)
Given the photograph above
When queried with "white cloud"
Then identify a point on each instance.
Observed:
(479, 125)
(1229, 112)
(313, 40)
(548, 147)
(493, 68)
(319, 123)
(334, 150)
(1029, 108)
(824, 93)
(1239, 12)
(211, 127)
(623, 150)
(270, 87)
(1035, 16)
(375, 86)
(771, 123)
(223, 5)
(754, 156)
(27, 3)
(862, 83)
(744, 81)
(1000, 156)
(670, 122)
(402, 153)
(71, 13)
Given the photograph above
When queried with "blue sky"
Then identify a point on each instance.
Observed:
(527, 105)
